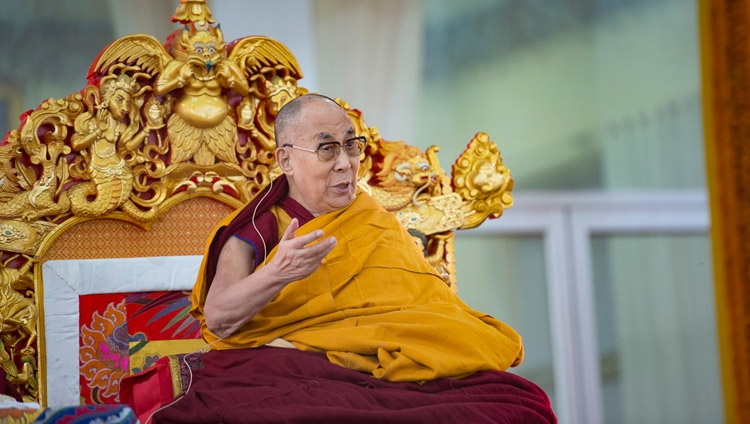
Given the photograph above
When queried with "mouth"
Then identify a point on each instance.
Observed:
(426, 179)
(343, 187)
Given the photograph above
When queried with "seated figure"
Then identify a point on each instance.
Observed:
(317, 306)
(328, 293)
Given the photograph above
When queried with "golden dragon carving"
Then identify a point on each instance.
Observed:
(430, 204)
(18, 329)
(159, 123)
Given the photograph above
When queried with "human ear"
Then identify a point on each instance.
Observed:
(284, 160)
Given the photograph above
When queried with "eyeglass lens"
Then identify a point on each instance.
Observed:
(352, 147)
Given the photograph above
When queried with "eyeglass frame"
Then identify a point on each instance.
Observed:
(361, 141)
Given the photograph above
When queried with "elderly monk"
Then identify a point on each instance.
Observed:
(313, 295)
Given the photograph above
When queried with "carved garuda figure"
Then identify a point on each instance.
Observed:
(220, 98)
(161, 123)
(196, 63)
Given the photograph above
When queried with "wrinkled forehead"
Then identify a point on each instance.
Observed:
(340, 137)
(323, 122)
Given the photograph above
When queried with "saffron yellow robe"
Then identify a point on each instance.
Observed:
(375, 305)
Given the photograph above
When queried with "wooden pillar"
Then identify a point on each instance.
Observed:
(725, 44)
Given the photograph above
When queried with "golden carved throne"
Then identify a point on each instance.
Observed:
(164, 141)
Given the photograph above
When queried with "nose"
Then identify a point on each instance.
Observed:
(342, 161)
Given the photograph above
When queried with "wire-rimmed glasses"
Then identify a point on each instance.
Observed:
(330, 150)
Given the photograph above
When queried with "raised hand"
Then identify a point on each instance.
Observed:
(298, 257)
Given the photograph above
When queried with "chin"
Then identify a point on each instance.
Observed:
(344, 201)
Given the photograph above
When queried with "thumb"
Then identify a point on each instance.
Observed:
(290, 230)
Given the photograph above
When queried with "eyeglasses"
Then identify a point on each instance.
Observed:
(328, 151)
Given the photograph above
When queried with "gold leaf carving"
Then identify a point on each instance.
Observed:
(484, 182)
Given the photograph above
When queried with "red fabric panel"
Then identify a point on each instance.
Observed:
(268, 384)
(162, 315)
(115, 326)
(103, 344)
(150, 390)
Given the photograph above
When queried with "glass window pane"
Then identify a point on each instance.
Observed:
(595, 94)
(656, 326)
(505, 277)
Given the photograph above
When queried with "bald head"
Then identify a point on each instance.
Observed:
(289, 116)
(302, 127)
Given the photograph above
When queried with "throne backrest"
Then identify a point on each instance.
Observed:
(138, 166)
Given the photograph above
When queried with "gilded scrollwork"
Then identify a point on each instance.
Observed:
(439, 213)
(225, 99)
(193, 11)
(435, 249)
(371, 149)
(405, 176)
(411, 183)
(275, 93)
(484, 182)
(192, 116)
(160, 123)
(22, 236)
(34, 162)
(110, 126)
(18, 326)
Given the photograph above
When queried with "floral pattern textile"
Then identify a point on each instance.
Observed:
(115, 326)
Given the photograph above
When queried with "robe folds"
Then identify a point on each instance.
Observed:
(273, 385)
(375, 305)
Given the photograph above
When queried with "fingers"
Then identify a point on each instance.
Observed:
(302, 241)
(306, 259)
(298, 257)
(290, 230)
(305, 245)
(322, 248)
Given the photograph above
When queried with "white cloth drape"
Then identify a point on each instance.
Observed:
(66, 280)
